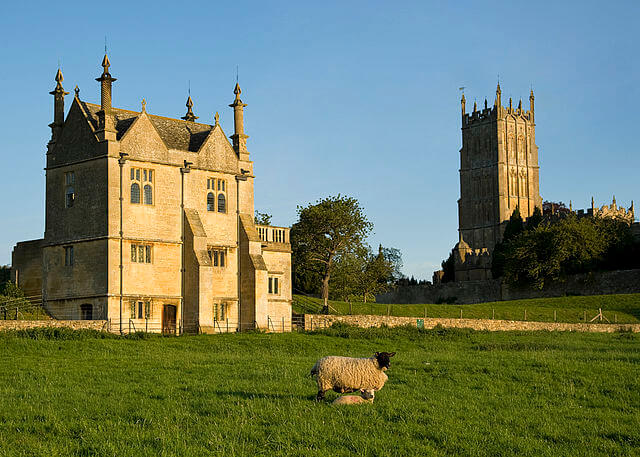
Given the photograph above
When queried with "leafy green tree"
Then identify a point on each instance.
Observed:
(535, 219)
(5, 274)
(569, 245)
(331, 228)
(512, 229)
(448, 268)
(262, 218)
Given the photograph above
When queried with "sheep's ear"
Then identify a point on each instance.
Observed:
(377, 354)
(391, 354)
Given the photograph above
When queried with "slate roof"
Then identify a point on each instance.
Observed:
(176, 133)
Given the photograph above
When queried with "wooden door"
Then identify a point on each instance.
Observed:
(169, 319)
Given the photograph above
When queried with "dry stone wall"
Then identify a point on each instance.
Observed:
(75, 325)
(319, 321)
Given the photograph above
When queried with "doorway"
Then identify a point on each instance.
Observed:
(169, 319)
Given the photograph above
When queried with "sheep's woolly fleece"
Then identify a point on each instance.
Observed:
(347, 374)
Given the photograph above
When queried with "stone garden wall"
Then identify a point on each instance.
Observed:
(319, 321)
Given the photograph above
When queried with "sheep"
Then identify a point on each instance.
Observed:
(347, 374)
(366, 396)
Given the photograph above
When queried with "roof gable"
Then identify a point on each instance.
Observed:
(216, 153)
(142, 141)
(77, 140)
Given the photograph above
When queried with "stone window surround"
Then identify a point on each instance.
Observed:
(217, 189)
(68, 256)
(69, 189)
(219, 256)
(144, 178)
(141, 253)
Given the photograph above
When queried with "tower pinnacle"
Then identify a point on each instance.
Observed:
(498, 94)
(58, 106)
(106, 123)
(239, 138)
(463, 103)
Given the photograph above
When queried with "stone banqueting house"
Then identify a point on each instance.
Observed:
(149, 223)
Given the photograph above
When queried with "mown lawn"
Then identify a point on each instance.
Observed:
(450, 392)
(621, 308)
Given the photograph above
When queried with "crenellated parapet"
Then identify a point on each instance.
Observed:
(612, 211)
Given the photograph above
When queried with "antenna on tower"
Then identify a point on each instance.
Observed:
(189, 88)
(105, 44)
(237, 71)
(461, 89)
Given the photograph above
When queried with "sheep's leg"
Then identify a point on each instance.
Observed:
(320, 395)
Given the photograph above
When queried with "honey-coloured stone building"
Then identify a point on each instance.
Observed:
(149, 223)
(499, 172)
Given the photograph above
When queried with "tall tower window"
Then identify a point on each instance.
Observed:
(211, 201)
(222, 203)
(69, 192)
(68, 256)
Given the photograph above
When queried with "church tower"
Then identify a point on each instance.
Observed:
(498, 170)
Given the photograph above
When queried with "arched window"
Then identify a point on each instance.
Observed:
(222, 205)
(86, 312)
(211, 202)
(70, 196)
(135, 193)
(148, 195)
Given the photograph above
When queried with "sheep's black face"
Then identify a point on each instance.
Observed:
(383, 359)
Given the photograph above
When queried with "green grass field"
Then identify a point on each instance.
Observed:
(450, 392)
(622, 308)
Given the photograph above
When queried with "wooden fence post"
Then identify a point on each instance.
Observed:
(425, 312)
(555, 316)
(460, 313)
(388, 309)
(525, 314)
(493, 314)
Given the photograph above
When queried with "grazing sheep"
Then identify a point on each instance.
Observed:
(347, 374)
(366, 396)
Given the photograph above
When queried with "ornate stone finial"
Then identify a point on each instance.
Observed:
(105, 81)
(570, 206)
(631, 209)
(189, 116)
(237, 91)
(485, 103)
(520, 105)
(76, 90)
(613, 203)
(475, 106)
(463, 104)
(216, 118)
(592, 203)
(144, 106)
(498, 94)
(105, 63)
(510, 104)
(58, 106)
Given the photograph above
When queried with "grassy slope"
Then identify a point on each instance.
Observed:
(449, 393)
(625, 308)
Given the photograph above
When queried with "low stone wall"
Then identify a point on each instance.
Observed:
(75, 325)
(467, 292)
(319, 321)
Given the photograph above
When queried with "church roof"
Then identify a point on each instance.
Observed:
(176, 133)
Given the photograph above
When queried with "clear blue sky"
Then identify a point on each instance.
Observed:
(357, 98)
